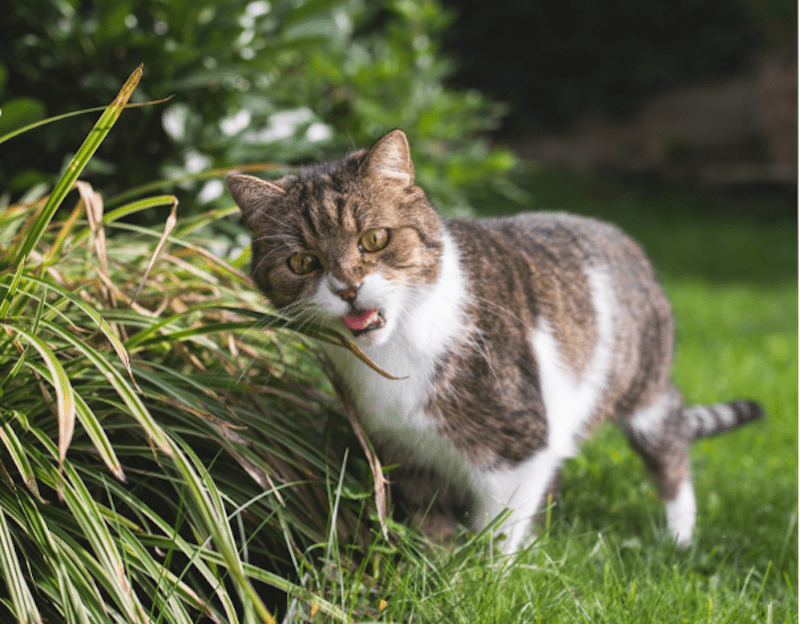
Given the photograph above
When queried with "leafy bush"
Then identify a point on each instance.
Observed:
(282, 81)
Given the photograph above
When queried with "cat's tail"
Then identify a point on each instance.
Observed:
(702, 421)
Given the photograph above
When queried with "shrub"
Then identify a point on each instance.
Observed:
(281, 81)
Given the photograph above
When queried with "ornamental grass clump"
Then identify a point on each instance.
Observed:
(166, 440)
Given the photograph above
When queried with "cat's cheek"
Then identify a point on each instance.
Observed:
(283, 288)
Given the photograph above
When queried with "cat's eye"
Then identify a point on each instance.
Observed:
(374, 239)
(303, 263)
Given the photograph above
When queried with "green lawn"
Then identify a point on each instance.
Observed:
(729, 269)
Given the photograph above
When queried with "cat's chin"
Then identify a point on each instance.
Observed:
(372, 337)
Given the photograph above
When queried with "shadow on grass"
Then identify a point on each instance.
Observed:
(688, 235)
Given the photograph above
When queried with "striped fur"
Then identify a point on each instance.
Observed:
(703, 421)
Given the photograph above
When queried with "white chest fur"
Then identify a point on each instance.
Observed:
(428, 321)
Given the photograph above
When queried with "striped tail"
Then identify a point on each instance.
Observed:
(702, 421)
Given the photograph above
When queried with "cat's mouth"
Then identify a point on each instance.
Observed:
(361, 321)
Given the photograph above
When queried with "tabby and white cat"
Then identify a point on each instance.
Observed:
(514, 336)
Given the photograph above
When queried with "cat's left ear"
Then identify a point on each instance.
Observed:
(391, 157)
(252, 194)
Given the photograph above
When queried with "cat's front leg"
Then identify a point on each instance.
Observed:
(432, 504)
(520, 491)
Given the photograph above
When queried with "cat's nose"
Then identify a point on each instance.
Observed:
(348, 294)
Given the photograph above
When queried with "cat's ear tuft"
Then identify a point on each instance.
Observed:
(390, 157)
(250, 193)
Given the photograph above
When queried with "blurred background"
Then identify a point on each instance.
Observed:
(693, 92)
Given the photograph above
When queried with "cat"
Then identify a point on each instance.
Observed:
(513, 336)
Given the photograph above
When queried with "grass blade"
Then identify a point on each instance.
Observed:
(20, 458)
(137, 206)
(193, 177)
(9, 291)
(206, 497)
(128, 395)
(102, 324)
(16, 585)
(79, 161)
(88, 515)
(43, 122)
(53, 558)
(63, 388)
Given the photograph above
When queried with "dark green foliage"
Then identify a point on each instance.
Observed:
(282, 82)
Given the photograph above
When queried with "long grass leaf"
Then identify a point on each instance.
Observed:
(172, 539)
(128, 395)
(63, 388)
(95, 529)
(99, 438)
(193, 177)
(189, 248)
(91, 312)
(94, 430)
(94, 214)
(25, 608)
(10, 290)
(43, 122)
(259, 574)
(68, 593)
(171, 593)
(79, 161)
(265, 319)
(63, 233)
(138, 206)
(168, 226)
(88, 578)
(20, 458)
(317, 333)
(206, 497)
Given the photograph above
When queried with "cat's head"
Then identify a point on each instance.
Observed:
(351, 242)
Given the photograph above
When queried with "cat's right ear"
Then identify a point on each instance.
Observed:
(250, 193)
(390, 157)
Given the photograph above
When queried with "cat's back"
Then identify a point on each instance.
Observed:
(586, 280)
(557, 247)
(570, 238)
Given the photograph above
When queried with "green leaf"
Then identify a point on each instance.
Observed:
(128, 394)
(16, 584)
(101, 323)
(79, 161)
(87, 513)
(20, 458)
(208, 501)
(65, 397)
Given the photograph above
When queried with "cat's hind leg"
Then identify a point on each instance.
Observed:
(658, 433)
(662, 432)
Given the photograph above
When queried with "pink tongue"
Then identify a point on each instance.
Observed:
(361, 322)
